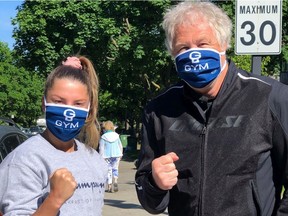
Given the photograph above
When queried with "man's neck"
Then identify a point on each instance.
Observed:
(212, 90)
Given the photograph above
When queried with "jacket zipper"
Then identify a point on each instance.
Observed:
(203, 148)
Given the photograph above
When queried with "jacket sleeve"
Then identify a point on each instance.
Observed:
(153, 199)
(279, 106)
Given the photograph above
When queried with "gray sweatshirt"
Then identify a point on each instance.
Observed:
(24, 178)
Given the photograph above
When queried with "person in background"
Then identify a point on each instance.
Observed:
(53, 173)
(216, 143)
(110, 148)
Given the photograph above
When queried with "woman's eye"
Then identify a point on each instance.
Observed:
(57, 101)
(79, 104)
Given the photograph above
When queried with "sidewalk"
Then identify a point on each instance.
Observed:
(125, 201)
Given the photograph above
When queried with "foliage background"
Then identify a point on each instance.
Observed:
(125, 41)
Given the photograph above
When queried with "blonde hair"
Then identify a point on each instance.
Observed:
(90, 133)
(108, 125)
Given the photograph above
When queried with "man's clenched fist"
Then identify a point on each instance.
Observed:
(164, 171)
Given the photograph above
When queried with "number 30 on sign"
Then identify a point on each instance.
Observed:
(258, 27)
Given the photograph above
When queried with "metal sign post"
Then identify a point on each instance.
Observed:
(256, 65)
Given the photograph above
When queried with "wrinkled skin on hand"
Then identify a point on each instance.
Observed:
(164, 171)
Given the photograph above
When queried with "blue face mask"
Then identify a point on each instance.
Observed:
(65, 122)
(199, 67)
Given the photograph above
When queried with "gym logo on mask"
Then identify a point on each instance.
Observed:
(195, 58)
(69, 115)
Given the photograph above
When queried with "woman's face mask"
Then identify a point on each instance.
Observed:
(65, 122)
(199, 67)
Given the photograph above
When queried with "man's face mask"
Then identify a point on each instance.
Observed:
(65, 122)
(199, 67)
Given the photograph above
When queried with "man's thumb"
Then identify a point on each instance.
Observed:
(174, 156)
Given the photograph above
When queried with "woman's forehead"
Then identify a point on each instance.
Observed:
(65, 87)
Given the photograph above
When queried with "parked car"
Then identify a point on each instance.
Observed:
(10, 138)
(8, 121)
(36, 130)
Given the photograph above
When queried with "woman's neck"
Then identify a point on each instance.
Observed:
(69, 146)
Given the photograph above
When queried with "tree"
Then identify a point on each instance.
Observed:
(123, 39)
(19, 90)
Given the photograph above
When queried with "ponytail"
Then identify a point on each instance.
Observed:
(90, 133)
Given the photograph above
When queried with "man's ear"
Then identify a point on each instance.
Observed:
(224, 47)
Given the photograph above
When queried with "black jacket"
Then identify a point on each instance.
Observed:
(232, 151)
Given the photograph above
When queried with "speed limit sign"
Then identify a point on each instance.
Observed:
(258, 27)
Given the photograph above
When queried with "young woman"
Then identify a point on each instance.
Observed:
(53, 173)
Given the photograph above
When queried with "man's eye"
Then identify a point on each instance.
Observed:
(203, 45)
(182, 49)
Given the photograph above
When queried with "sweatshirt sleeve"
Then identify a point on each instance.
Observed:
(21, 190)
(153, 199)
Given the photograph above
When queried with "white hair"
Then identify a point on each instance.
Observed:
(189, 12)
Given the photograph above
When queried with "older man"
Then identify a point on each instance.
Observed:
(216, 142)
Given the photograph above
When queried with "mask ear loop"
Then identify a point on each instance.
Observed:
(222, 68)
(220, 54)
(88, 110)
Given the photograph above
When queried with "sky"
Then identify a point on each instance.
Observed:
(7, 12)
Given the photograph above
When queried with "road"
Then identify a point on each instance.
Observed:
(124, 202)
